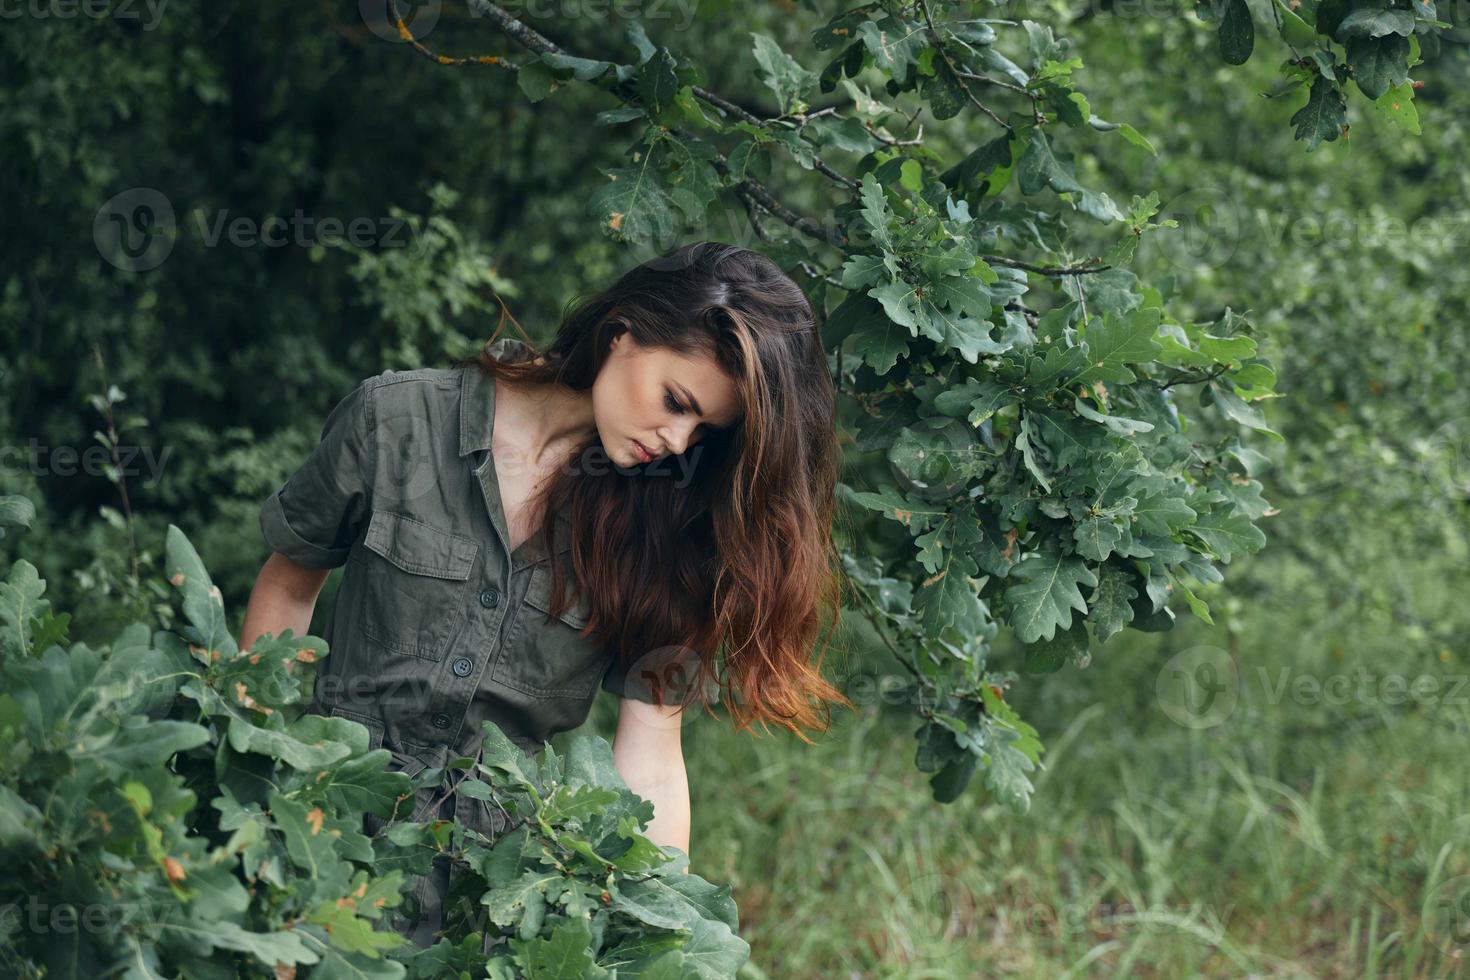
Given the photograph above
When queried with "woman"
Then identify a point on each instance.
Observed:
(523, 528)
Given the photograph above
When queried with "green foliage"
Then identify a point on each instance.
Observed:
(1074, 498)
(109, 755)
(426, 287)
(1073, 465)
(1048, 435)
(1330, 42)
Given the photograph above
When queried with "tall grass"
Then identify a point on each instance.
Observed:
(1302, 836)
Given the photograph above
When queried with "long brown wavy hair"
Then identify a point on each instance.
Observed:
(741, 559)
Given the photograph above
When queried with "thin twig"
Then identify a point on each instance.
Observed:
(943, 53)
(122, 480)
(1046, 270)
(441, 59)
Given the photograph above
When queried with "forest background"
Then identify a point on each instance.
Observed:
(1316, 827)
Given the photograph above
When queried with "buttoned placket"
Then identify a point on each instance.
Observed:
(492, 602)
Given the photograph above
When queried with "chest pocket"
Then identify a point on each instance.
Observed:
(416, 580)
(550, 659)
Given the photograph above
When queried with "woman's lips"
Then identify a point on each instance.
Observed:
(643, 454)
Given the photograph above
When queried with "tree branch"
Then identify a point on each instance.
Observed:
(627, 93)
(943, 53)
(1046, 270)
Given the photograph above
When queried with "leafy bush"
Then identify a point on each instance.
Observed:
(115, 868)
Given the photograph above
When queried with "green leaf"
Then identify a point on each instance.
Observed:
(1227, 536)
(1005, 773)
(1110, 608)
(948, 599)
(15, 511)
(20, 604)
(1096, 537)
(1324, 115)
(310, 742)
(895, 46)
(1196, 604)
(949, 782)
(1161, 514)
(1375, 22)
(781, 73)
(657, 82)
(901, 302)
(633, 206)
(204, 606)
(1294, 29)
(363, 784)
(20, 822)
(1044, 592)
(1048, 656)
(270, 948)
(537, 80)
(582, 69)
(956, 330)
(1116, 423)
(1115, 342)
(564, 955)
(1136, 138)
(944, 91)
(1241, 411)
(152, 744)
(1237, 33)
(520, 899)
(1378, 63)
(1397, 106)
(1040, 168)
(975, 401)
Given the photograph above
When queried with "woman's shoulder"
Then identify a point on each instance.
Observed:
(398, 392)
(446, 378)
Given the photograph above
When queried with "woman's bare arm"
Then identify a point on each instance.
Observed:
(283, 597)
(649, 755)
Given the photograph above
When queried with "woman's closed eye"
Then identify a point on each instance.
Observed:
(678, 409)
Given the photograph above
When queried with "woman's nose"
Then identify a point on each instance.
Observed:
(678, 438)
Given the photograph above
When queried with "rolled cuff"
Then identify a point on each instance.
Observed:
(280, 536)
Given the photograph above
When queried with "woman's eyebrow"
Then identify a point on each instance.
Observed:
(692, 400)
(697, 410)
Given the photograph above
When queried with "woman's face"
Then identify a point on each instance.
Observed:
(654, 397)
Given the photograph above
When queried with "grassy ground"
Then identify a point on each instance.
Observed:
(1316, 829)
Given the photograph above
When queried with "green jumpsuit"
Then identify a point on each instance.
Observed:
(437, 626)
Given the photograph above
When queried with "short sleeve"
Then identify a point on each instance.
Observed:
(670, 670)
(315, 516)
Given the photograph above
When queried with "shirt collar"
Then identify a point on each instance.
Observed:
(477, 420)
(477, 396)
